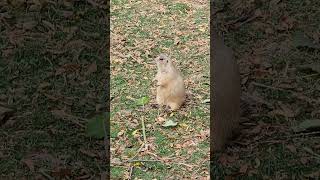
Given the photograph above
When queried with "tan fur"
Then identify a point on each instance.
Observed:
(170, 85)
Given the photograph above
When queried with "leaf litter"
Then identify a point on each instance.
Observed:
(48, 73)
(132, 54)
(277, 53)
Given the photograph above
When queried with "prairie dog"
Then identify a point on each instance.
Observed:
(226, 95)
(170, 85)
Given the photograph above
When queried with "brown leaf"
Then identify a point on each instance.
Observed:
(44, 85)
(92, 68)
(7, 52)
(29, 163)
(160, 119)
(292, 148)
(88, 153)
(257, 163)
(103, 175)
(29, 25)
(287, 86)
(304, 160)
(223, 159)
(59, 71)
(273, 3)
(287, 112)
(67, 14)
(5, 114)
(286, 23)
(313, 66)
(61, 172)
(243, 168)
(48, 24)
(257, 129)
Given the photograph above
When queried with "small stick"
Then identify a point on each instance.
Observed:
(302, 134)
(269, 87)
(130, 172)
(46, 175)
(189, 166)
(136, 153)
(144, 160)
(144, 131)
(144, 128)
(317, 156)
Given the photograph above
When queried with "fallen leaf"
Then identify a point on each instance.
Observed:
(286, 111)
(257, 163)
(29, 25)
(95, 127)
(48, 24)
(66, 14)
(304, 160)
(61, 172)
(29, 163)
(292, 148)
(301, 40)
(160, 119)
(92, 68)
(206, 101)
(313, 66)
(307, 125)
(286, 23)
(243, 168)
(88, 153)
(115, 161)
(170, 123)
(143, 101)
(5, 114)
(273, 3)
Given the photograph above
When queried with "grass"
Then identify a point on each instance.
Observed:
(141, 30)
(30, 59)
(279, 154)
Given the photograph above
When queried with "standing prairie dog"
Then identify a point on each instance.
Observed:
(170, 85)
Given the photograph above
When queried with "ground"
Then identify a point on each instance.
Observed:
(53, 76)
(141, 30)
(276, 44)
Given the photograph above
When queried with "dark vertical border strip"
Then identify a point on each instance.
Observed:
(107, 127)
(211, 87)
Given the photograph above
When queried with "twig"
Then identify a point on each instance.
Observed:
(266, 86)
(144, 131)
(200, 166)
(160, 158)
(317, 156)
(295, 94)
(302, 134)
(285, 71)
(130, 172)
(184, 164)
(311, 75)
(144, 160)
(46, 175)
(136, 153)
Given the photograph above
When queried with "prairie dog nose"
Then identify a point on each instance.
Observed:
(162, 57)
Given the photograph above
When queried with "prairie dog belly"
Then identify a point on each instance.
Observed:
(170, 90)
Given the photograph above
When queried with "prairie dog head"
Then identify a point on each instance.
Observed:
(164, 62)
